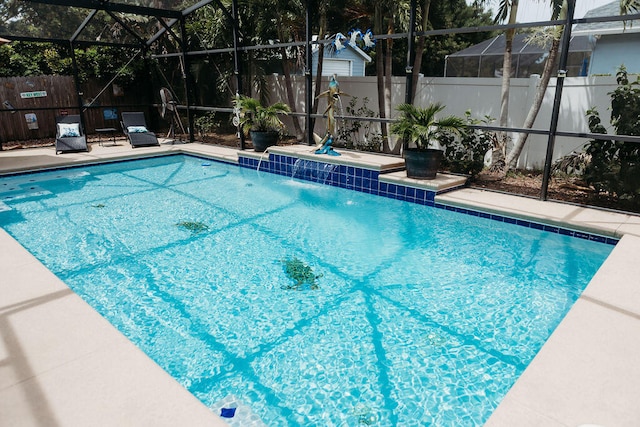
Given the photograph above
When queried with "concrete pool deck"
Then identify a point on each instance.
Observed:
(62, 364)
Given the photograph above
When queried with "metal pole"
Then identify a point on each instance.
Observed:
(308, 76)
(562, 73)
(76, 80)
(236, 58)
(410, 54)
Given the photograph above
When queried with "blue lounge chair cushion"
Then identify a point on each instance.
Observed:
(137, 129)
(66, 130)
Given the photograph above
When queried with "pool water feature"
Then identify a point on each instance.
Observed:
(313, 171)
(421, 316)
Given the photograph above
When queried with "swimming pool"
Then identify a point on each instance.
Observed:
(411, 324)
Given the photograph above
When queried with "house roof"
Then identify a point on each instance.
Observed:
(356, 49)
(521, 46)
(360, 52)
(611, 27)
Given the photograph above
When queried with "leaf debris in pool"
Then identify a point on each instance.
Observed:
(194, 227)
(300, 273)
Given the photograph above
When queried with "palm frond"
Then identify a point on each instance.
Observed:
(256, 117)
(503, 11)
(629, 6)
(419, 126)
(556, 8)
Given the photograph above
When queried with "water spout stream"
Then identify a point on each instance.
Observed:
(266, 151)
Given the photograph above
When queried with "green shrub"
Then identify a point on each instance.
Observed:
(358, 134)
(615, 165)
(206, 123)
(465, 153)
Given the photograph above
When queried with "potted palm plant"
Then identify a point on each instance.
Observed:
(419, 130)
(262, 123)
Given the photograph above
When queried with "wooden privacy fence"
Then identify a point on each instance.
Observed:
(29, 105)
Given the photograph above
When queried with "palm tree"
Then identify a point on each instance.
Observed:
(387, 15)
(290, 24)
(259, 118)
(380, 12)
(501, 161)
(420, 46)
(282, 20)
(419, 125)
(629, 6)
(322, 30)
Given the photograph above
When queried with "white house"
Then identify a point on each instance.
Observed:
(617, 42)
(350, 61)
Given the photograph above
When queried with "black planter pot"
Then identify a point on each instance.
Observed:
(422, 163)
(262, 140)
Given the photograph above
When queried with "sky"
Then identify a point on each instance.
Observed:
(539, 10)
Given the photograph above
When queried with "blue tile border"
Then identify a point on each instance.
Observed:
(343, 176)
(349, 177)
(367, 181)
(532, 224)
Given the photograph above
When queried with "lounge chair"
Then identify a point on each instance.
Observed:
(135, 127)
(70, 136)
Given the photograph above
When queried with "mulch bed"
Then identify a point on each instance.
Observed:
(30, 143)
(530, 184)
(564, 189)
(232, 140)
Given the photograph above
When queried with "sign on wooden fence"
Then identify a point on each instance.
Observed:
(57, 96)
(20, 93)
(32, 121)
(36, 94)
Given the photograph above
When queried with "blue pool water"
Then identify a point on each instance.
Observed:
(421, 316)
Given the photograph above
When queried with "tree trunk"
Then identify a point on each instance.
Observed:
(499, 149)
(318, 82)
(388, 71)
(378, 19)
(290, 96)
(422, 41)
(550, 65)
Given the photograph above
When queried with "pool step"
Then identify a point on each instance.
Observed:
(14, 192)
(25, 186)
(29, 179)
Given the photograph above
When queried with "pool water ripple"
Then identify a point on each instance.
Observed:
(422, 316)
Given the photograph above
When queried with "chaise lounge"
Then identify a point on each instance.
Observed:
(134, 127)
(70, 136)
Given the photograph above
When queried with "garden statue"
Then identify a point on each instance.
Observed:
(356, 39)
(333, 96)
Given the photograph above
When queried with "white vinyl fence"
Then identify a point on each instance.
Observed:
(482, 97)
